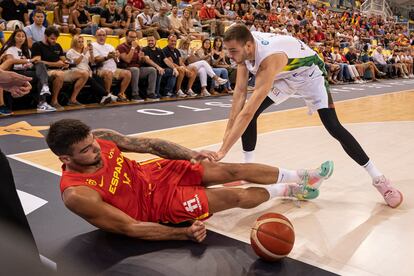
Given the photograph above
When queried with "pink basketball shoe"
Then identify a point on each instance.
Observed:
(392, 196)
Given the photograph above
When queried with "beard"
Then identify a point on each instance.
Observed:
(97, 161)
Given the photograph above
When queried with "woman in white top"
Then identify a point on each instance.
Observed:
(80, 56)
(203, 69)
(17, 54)
(145, 25)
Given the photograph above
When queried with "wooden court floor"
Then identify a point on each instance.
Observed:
(348, 229)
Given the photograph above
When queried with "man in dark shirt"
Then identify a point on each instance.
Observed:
(14, 10)
(52, 55)
(155, 57)
(177, 63)
(111, 20)
(130, 57)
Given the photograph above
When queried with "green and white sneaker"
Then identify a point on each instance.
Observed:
(314, 178)
(302, 192)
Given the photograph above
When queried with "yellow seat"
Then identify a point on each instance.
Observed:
(162, 43)
(374, 42)
(7, 35)
(96, 19)
(50, 18)
(65, 40)
(87, 38)
(112, 40)
(346, 50)
(196, 44)
(122, 40)
(143, 42)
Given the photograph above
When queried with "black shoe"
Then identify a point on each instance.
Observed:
(152, 98)
(136, 98)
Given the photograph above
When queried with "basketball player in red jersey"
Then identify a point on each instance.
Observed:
(120, 195)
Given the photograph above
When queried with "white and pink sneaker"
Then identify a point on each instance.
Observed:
(392, 196)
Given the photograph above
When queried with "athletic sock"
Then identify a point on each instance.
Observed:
(288, 176)
(248, 156)
(372, 170)
(277, 190)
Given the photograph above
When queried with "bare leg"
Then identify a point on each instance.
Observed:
(219, 173)
(220, 199)
(82, 78)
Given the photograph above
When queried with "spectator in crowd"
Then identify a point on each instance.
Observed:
(146, 25)
(155, 57)
(132, 58)
(36, 31)
(187, 26)
(380, 62)
(177, 63)
(82, 19)
(111, 20)
(164, 24)
(210, 17)
(157, 5)
(128, 20)
(82, 56)
(137, 5)
(16, 57)
(52, 55)
(62, 15)
(176, 22)
(220, 62)
(203, 68)
(205, 53)
(39, 6)
(15, 13)
(106, 55)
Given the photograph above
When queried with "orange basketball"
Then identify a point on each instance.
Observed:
(272, 236)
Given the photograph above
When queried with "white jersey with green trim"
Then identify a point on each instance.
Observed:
(300, 56)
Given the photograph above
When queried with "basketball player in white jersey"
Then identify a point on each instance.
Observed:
(284, 66)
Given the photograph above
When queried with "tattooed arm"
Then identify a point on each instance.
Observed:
(154, 146)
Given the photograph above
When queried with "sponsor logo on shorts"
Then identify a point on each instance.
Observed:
(192, 204)
(265, 42)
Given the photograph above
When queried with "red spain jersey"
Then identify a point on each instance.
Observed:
(120, 182)
(158, 190)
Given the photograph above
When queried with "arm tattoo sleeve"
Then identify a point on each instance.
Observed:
(154, 146)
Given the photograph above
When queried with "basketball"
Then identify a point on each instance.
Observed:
(272, 237)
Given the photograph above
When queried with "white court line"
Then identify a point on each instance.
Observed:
(48, 262)
(14, 155)
(53, 265)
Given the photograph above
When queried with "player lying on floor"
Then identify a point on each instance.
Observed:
(120, 195)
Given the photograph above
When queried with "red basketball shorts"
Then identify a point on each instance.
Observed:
(178, 194)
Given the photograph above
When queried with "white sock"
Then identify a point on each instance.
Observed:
(288, 176)
(372, 170)
(277, 190)
(248, 156)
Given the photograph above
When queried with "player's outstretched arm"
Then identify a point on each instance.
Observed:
(266, 74)
(239, 96)
(89, 205)
(154, 146)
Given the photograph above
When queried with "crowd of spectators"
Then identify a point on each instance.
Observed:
(355, 47)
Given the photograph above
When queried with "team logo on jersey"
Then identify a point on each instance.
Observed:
(91, 182)
(265, 42)
(192, 204)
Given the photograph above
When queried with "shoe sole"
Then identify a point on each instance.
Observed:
(327, 168)
(402, 199)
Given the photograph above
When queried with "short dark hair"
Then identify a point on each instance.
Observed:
(36, 11)
(239, 33)
(64, 133)
(129, 31)
(51, 30)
